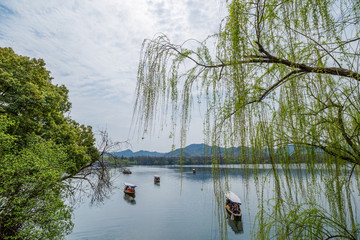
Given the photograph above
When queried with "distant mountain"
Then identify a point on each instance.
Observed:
(129, 153)
(199, 150)
(191, 150)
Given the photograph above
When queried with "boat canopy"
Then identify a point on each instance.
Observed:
(129, 184)
(233, 197)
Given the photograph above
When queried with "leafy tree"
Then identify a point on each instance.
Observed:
(281, 73)
(42, 150)
(32, 193)
(36, 106)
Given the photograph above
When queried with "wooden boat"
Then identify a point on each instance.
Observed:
(232, 206)
(129, 188)
(126, 171)
(156, 179)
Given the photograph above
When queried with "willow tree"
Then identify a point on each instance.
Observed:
(277, 73)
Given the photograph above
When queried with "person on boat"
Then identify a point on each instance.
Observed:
(230, 205)
(228, 202)
(236, 208)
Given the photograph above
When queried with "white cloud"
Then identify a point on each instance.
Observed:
(93, 47)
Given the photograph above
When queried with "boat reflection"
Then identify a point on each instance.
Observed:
(236, 225)
(130, 198)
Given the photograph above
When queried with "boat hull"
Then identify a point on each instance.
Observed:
(129, 192)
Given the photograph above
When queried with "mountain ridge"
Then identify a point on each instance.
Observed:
(196, 149)
(192, 150)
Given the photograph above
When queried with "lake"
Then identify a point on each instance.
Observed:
(182, 206)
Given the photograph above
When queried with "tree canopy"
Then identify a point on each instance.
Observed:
(41, 148)
(38, 107)
(277, 73)
(32, 193)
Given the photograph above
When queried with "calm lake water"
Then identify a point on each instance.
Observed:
(182, 206)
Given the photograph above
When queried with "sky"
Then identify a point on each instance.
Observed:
(93, 47)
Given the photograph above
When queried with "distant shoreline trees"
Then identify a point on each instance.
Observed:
(208, 160)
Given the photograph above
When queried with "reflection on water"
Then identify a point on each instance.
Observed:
(236, 225)
(184, 207)
(130, 198)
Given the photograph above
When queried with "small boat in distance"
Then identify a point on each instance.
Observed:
(232, 206)
(194, 171)
(126, 171)
(129, 188)
(156, 179)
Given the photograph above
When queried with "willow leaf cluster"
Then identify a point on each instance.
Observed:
(282, 74)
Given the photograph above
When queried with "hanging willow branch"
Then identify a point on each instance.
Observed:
(291, 66)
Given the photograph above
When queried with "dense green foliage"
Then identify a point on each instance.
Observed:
(36, 106)
(40, 148)
(31, 193)
(281, 73)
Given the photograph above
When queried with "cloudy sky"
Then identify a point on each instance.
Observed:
(93, 47)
